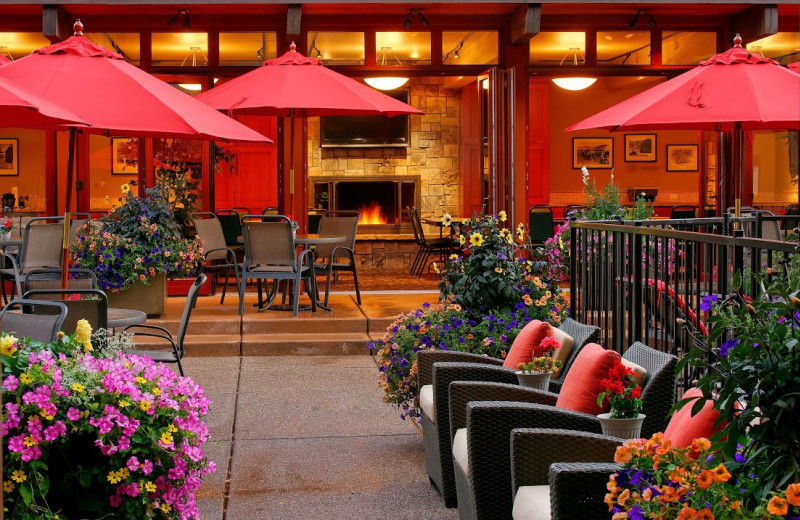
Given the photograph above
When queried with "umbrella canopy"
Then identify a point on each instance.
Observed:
(298, 85)
(735, 88)
(794, 66)
(117, 98)
(4, 59)
(19, 108)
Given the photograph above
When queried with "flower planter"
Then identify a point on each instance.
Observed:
(150, 299)
(622, 428)
(538, 381)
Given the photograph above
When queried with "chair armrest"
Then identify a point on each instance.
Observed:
(229, 253)
(530, 464)
(555, 386)
(463, 392)
(489, 426)
(577, 489)
(426, 359)
(164, 333)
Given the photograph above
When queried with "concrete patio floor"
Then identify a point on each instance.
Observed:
(308, 437)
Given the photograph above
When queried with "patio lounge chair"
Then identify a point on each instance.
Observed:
(35, 319)
(175, 355)
(435, 402)
(489, 474)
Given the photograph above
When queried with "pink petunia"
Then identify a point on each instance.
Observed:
(73, 414)
(10, 383)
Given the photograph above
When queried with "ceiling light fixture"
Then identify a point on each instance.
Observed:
(637, 17)
(174, 19)
(387, 82)
(186, 22)
(194, 87)
(410, 18)
(455, 54)
(574, 82)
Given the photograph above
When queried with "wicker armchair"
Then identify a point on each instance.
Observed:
(534, 409)
(471, 367)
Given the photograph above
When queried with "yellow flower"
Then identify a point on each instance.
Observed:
(150, 487)
(18, 476)
(124, 473)
(461, 239)
(172, 428)
(156, 391)
(125, 188)
(123, 403)
(113, 477)
(43, 413)
(25, 379)
(476, 239)
(502, 216)
(77, 387)
(447, 219)
(453, 257)
(165, 507)
(436, 268)
(166, 438)
(108, 199)
(144, 405)
(498, 269)
(8, 486)
(141, 380)
(29, 441)
(8, 345)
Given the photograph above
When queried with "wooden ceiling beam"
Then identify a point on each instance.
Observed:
(526, 22)
(294, 17)
(755, 23)
(56, 23)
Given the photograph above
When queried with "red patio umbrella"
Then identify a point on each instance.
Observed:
(735, 90)
(4, 59)
(19, 108)
(794, 66)
(296, 85)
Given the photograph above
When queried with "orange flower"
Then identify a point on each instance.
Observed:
(701, 444)
(623, 497)
(677, 474)
(721, 474)
(705, 514)
(669, 494)
(778, 506)
(687, 513)
(793, 494)
(647, 494)
(623, 455)
(705, 479)
(620, 516)
(612, 483)
(609, 499)
(736, 506)
(656, 440)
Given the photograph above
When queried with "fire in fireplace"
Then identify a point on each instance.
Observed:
(381, 201)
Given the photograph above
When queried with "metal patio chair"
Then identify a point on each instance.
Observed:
(333, 258)
(219, 257)
(42, 247)
(82, 304)
(427, 246)
(36, 319)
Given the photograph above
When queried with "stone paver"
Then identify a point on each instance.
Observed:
(311, 439)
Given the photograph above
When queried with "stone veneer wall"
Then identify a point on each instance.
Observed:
(433, 154)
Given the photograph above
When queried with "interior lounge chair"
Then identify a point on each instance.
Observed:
(177, 350)
(231, 226)
(540, 224)
(335, 258)
(36, 319)
(435, 401)
(219, 257)
(480, 476)
(42, 247)
(568, 480)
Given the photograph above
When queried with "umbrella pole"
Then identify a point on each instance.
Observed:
(291, 163)
(738, 166)
(71, 154)
(65, 253)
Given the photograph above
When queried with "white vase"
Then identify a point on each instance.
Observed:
(622, 428)
(536, 380)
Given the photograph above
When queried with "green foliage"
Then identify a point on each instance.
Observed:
(178, 179)
(607, 203)
(754, 376)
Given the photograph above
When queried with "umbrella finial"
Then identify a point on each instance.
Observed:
(737, 40)
(78, 28)
(292, 47)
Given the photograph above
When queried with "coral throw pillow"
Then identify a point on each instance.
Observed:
(526, 344)
(683, 428)
(583, 382)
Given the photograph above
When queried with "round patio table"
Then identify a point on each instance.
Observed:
(124, 317)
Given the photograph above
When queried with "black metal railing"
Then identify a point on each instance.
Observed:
(634, 280)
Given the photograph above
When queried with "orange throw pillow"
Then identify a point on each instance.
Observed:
(683, 428)
(526, 344)
(583, 382)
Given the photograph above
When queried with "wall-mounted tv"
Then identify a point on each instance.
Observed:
(366, 131)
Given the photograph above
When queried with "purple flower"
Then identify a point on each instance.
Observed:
(728, 345)
(708, 301)
(636, 513)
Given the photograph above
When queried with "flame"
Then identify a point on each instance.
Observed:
(371, 214)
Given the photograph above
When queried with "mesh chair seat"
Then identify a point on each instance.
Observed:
(219, 257)
(91, 305)
(35, 319)
(335, 258)
(42, 246)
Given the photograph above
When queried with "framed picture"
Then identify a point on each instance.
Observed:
(640, 147)
(682, 158)
(593, 152)
(9, 156)
(124, 156)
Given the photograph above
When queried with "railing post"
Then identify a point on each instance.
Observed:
(573, 269)
(636, 285)
(738, 258)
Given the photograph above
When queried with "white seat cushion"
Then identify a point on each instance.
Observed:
(532, 503)
(460, 453)
(562, 353)
(639, 372)
(426, 402)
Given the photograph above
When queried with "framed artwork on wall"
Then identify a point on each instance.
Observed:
(9, 156)
(593, 152)
(124, 156)
(640, 147)
(682, 158)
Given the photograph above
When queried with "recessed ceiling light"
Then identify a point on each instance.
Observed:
(608, 37)
(629, 35)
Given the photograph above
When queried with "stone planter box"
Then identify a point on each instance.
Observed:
(150, 299)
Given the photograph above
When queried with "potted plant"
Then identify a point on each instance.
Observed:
(624, 396)
(138, 245)
(6, 225)
(536, 373)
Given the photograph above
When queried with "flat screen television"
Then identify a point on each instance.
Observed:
(366, 131)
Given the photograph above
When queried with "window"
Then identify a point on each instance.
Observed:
(180, 49)
(551, 48)
(337, 48)
(783, 47)
(623, 48)
(126, 44)
(687, 48)
(17, 45)
(247, 48)
(469, 47)
(403, 48)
